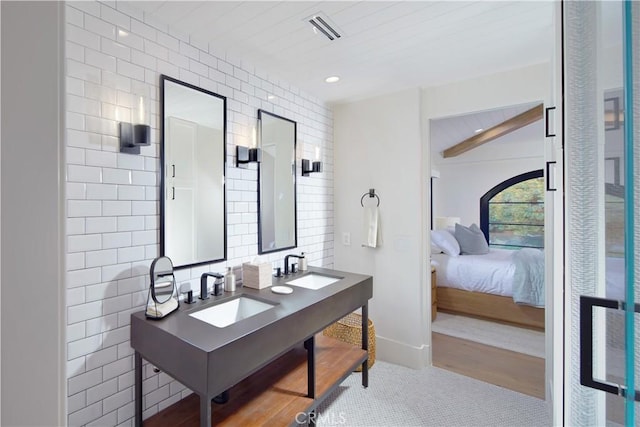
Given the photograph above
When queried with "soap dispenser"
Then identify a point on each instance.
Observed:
(302, 262)
(230, 281)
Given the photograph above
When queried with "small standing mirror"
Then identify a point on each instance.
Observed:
(192, 209)
(277, 228)
(162, 299)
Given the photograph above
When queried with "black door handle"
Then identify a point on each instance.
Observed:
(586, 344)
(549, 187)
(547, 132)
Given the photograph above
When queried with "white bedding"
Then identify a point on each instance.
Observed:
(491, 273)
(494, 273)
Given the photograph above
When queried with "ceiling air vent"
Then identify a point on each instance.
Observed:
(321, 23)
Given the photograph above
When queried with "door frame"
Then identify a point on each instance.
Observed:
(555, 294)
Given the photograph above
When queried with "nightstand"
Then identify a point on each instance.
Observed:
(434, 295)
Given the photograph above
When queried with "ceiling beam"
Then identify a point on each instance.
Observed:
(508, 126)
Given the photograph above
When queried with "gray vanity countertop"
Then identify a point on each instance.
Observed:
(187, 348)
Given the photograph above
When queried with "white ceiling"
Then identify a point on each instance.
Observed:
(385, 46)
(449, 131)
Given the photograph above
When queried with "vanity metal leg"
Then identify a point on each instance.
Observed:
(365, 344)
(205, 411)
(311, 367)
(138, 388)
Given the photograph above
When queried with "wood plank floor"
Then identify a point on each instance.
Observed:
(515, 371)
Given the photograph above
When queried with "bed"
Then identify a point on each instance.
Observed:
(489, 285)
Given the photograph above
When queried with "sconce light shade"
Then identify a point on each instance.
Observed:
(311, 167)
(132, 137)
(446, 222)
(136, 132)
(246, 155)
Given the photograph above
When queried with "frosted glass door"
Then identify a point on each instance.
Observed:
(601, 340)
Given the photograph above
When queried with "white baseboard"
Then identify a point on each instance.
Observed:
(402, 354)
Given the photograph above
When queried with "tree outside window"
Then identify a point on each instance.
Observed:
(512, 213)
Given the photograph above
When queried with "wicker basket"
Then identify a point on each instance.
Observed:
(349, 329)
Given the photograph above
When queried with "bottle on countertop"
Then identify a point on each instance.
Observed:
(302, 262)
(230, 281)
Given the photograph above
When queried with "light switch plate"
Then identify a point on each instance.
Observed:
(346, 238)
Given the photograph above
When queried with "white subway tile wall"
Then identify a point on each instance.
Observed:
(113, 198)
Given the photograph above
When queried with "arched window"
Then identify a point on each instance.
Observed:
(512, 212)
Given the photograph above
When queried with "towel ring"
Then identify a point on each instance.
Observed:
(371, 194)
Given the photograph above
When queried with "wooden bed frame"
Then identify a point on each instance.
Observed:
(492, 307)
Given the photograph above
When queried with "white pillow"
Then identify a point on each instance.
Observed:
(435, 249)
(446, 241)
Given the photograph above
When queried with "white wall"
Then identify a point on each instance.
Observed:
(112, 198)
(378, 145)
(466, 178)
(33, 383)
(520, 86)
(383, 143)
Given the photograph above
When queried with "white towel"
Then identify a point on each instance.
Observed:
(160, 310)
(371, 227)
(162, 284)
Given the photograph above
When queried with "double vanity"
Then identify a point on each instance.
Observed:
(248, 339)
(212, 345)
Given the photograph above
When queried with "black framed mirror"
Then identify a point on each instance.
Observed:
(193, 157)
(277, 213)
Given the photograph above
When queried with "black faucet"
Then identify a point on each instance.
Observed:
(216, 286)
(286, 262)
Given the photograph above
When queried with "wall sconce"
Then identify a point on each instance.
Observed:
(246, 155)
(137, 134)
(251, 154)
(312, 167)
(446, 222)
(316, 166)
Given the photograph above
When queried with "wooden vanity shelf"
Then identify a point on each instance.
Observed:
(275, 394)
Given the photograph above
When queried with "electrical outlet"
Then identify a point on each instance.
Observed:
(346, 238)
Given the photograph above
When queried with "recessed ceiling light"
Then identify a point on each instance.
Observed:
(332, 79)
(270, 97)
(478, 130)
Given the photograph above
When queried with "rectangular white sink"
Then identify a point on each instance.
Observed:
(314, 281)
(230, 312)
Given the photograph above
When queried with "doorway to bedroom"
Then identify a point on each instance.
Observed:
(487, 245)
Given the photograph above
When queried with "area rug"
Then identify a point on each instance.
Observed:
(512, 338)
